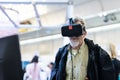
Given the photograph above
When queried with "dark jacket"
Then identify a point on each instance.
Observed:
(99, 66)
(116, 63)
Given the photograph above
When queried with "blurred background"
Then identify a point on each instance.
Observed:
(38, 24)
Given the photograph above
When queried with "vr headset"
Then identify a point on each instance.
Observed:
(72, 30)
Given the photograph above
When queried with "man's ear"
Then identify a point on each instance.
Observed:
(85, 33)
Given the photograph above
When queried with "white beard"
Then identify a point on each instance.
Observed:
(74, 44)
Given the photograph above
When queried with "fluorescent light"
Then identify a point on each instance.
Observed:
(40, 39)
(104, 28)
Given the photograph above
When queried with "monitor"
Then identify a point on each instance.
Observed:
(10, 58)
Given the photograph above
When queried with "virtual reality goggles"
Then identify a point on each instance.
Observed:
(72, 30)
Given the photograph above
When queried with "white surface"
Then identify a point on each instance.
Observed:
(8, 31)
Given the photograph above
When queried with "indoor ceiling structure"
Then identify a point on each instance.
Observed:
(48, 15)
(28, 9)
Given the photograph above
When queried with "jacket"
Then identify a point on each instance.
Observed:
(116, 64)
(99, 66)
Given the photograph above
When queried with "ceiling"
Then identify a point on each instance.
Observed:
(21, 7)
(23, 14)
(19, 13)
(26, 9)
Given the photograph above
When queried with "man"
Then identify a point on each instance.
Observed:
(81, 59)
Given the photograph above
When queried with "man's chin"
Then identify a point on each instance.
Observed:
(75, 47)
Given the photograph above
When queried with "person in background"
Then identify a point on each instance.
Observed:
(33, 70)
(81, 59)
(115, 61)
(50, 66)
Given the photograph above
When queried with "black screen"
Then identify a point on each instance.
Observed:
(10, 59)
